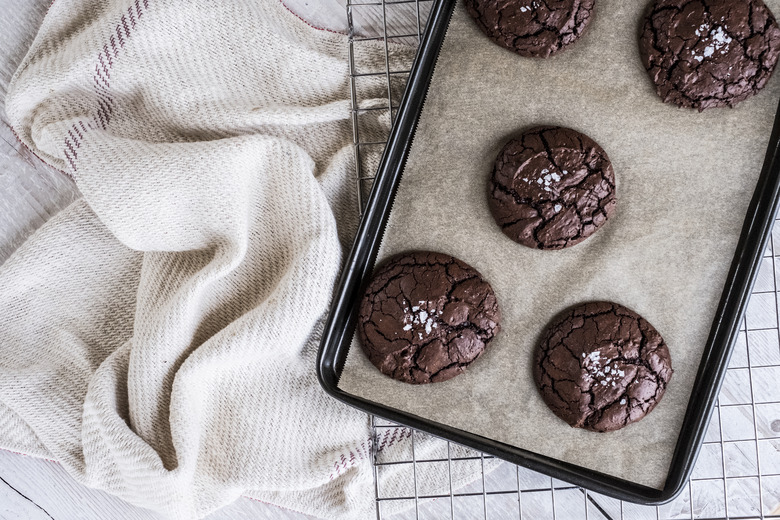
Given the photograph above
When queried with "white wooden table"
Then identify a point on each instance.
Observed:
(30, 193)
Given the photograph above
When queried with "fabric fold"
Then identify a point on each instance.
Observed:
(159, 334)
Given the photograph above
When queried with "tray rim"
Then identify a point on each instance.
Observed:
(335, 343)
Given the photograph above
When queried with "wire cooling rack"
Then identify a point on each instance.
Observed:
(737, 475)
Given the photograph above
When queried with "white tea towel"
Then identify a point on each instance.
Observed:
(158, 335)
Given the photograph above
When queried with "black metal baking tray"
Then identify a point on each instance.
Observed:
(340, 325)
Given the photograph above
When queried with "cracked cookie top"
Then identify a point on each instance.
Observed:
(709, 53)
(601, 366)
(426, 316)
(551, 188)
(532, 28)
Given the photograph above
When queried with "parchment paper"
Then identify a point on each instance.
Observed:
(684, 181)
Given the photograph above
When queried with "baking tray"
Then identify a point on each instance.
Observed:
(359, 265)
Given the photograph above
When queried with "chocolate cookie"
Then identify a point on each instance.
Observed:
(551, 188)
(532, 28)
(709, 53)
(601, 366)
(426, 316)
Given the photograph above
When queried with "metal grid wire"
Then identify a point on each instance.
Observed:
(737, 475)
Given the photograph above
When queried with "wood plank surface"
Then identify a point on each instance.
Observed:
(31, 192)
